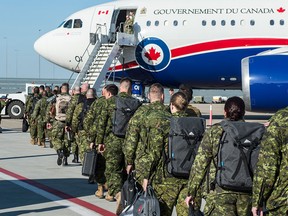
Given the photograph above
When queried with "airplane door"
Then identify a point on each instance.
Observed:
(102, 20)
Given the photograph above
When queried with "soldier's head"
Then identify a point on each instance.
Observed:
(125, 85)
(36, 90)
(48, 89)
(84, 87)
(44, 93)
(234, 109)
(64, 88)
(178, 102)
(57, 89)
(76, 90)
(91, 93)
(111, 90)
(187, 91)
(156, 93)
(41, 89)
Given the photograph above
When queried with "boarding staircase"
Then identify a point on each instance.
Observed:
(94, 72)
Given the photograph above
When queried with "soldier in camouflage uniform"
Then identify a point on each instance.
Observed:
(38, 116)
(170, 191)
(58, 135)
(91, 126)
(81, 139)
(112, 144)
(270, 182)
(218, 201)
(128, 25)
(30, 105)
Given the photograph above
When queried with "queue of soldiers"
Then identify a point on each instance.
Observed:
(77, 122)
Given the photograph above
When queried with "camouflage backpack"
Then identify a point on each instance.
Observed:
(238, 154)
(62, 102)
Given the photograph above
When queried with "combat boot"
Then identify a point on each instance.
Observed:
(38, 142)
(60, 157)
(65, 162)
(119, 208)
(32, 141)
(100, 191)
(109, 198)
(76, 158)
(43, 144)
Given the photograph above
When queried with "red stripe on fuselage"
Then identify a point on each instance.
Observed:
(58, 193)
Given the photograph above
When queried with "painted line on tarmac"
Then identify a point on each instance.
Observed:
(73, 203)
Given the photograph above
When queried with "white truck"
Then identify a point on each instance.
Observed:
(15, 105)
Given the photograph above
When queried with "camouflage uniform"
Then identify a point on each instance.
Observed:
(38, 116)
(49, 118)
(193, 111)
(128, 25)
(59, 137)
(218, 200)
(90, 126)
(113, 146)
(271, 179)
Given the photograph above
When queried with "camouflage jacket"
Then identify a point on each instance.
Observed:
(193, 111)
(154, 136)
(29, 104)
(105, 118)
(72, 105)
(39, 111)
(270, 182)
(90, 122)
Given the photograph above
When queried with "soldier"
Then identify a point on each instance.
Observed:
(191, 110)
(128, 25)
(50, 115)
(270, 179)
(111, 147)
(3, 102)
(133, 146)
(83, 106)
(30, 105)
(219, 201)
(169, 190)
(58, 135)
(38, 116)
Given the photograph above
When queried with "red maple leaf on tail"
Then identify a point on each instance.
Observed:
(152, 55)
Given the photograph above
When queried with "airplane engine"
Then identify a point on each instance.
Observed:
(265, 81)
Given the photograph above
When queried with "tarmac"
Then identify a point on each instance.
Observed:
(31, 183)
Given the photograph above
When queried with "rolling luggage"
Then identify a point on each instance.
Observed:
(89, 163)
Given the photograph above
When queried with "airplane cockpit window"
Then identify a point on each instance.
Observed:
(61, 24)
(175, 23)
(77, 23)
(68, 24)
(213, 22)
(272, 22)
(223, 22)
(204, 22)
(156, 23)
(252, 22)
(148, 23)
(232, 22)
(282, 22)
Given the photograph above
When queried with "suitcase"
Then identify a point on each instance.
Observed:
(89, 164)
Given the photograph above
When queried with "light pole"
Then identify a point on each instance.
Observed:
(6, 57)
(39, 58)
(16, 59)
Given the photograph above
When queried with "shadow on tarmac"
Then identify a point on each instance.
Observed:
(20, 212)
(30, 156)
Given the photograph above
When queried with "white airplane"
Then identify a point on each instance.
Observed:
(199, 43)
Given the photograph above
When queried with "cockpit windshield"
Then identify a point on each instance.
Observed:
(68, 24)
(77, 23)
(61, 24)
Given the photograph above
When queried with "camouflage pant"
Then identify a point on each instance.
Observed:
(228, 204)
(81, 141)
(33, 128)
(114, 164)
(170, 195)
(41, 130)
(59, 138)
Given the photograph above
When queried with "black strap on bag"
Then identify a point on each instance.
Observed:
(194, 212)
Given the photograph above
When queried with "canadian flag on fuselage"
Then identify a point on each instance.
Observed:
(103, 12)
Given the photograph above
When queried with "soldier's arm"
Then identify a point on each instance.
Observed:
(75, 120)
(267, 166)
(70, 110)
(102, 123)
(36, 110)
(201, 164)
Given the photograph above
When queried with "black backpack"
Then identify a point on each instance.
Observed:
(238, 154)
(125, 108)
(34, 101)
(184, 139)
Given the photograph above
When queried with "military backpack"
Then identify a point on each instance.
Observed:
(35, 99)
(61, 106)
(125, 108)
(184, 139)
(238, 154)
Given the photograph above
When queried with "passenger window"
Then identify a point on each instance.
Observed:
(166, 23)
(233, 23)
(156, 23)
(184, 22)
(148, 23)
(68, 24)
(204, 22)
(242, 22)
(77, 23)
(175, 23)
(271, 22)
(282, 22)
(223, 23)
(213, 22)
(252, 22)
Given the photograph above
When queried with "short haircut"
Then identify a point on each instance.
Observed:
(187, 90)
(126, 83)
(234, 108)
(112, 88)
(36, 90)
(179, 100)
(156, 90)
(41, 87)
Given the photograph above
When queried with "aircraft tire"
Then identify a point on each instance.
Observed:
(15, 109)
